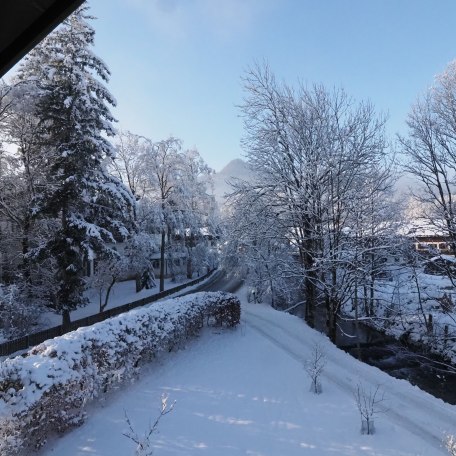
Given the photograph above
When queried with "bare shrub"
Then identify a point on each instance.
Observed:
(369, 404)
(450, 445)
(446, 302)
(314, 368)
(144, 442)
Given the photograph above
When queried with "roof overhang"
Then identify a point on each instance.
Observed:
(24, 23)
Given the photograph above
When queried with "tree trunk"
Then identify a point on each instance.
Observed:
(272, 294)
(371, 298)
(332, 322)
(189, 259)
(66, 319)
(162, 260)
(25, 250)
(366, 299)
(108, 291)
(356, 305)
(309, 291)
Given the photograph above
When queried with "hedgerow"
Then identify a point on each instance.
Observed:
(47, 390)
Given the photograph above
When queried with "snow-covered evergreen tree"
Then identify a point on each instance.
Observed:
(91, 205)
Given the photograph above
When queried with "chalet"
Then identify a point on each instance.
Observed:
(428, 238)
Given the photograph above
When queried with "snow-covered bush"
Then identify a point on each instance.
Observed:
(16, 316)
(228, 314)
(46, 391)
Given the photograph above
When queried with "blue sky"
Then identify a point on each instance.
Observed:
(176, 64)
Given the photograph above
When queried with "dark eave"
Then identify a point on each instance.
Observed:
(24, 23)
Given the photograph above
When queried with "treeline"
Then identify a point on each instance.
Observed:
(320, 219)
(75, 192)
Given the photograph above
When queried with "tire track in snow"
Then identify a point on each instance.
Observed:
(394, 412)
(447, 416)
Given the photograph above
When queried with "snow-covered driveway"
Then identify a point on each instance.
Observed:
(245, 392)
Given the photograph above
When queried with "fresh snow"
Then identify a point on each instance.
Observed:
(121, 293)
(245, 391)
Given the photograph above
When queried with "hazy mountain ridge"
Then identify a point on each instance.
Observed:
(235, 169)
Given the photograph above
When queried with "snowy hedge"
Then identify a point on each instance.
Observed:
(46, 390)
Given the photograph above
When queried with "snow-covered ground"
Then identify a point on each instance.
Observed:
(122, 293)
(245, 391)
(398, 311)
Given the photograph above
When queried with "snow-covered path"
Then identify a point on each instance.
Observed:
(245, 392)
(406, 406)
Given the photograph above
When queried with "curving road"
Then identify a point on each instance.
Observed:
(220, 281)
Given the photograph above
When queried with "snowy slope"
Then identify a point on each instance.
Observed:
(245, 392)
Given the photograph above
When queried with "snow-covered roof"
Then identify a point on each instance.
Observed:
(423, 227)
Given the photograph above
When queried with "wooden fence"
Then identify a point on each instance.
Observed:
(30, 340)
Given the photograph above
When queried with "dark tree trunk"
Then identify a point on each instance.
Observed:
(189, 268)
(309, 290)
(332, 322)
(162, 260)
(25, 250)
(66, 319)
(108, 291)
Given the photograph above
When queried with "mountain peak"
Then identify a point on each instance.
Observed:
(236, 168)
(233, 167)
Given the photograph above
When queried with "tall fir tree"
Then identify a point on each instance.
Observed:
(92, 206)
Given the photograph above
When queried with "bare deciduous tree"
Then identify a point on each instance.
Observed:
(258, 247)
(312, 150)
(128, 162)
